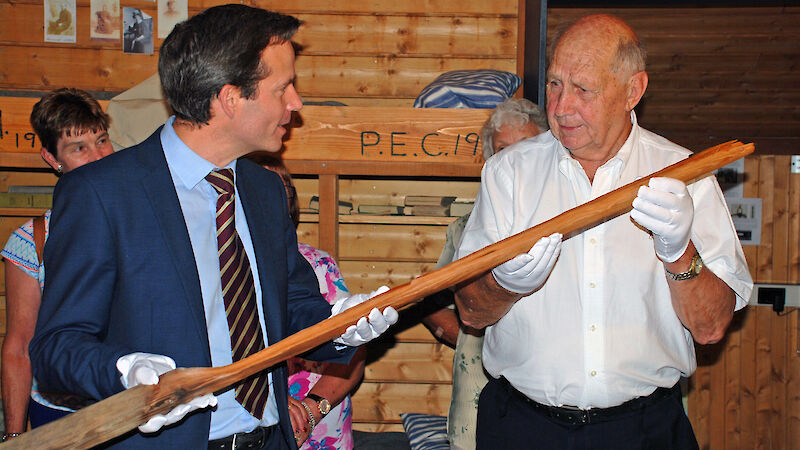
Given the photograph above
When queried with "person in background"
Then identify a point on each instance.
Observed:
(179, 252)
(586, 339)
(511, 121)
(72, 129)
(322, 388)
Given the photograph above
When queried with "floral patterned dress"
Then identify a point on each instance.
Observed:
(334, 431)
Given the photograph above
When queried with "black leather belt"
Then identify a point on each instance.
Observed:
(576, 416)
(254, 439)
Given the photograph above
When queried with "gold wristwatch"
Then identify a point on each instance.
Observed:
(694, 270)
(322, 403)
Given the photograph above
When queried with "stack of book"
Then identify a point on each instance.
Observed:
(27, 197)
(344, 206)
(461, 206)
(383, 210)
(430, 205)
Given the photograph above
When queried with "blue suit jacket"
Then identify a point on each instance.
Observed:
(121, 278)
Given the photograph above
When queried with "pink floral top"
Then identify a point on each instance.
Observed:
(334, 431)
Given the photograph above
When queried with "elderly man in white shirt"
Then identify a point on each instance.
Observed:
(586, 339)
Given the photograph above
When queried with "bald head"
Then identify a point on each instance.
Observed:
(610, 35)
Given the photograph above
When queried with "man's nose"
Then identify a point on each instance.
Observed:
(563, 104)
(293, 100)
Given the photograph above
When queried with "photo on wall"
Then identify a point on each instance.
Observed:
(138, 34)
(170, 12)
(59, 19)
(105, 20)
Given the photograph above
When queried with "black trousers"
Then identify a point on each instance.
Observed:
(506, 419)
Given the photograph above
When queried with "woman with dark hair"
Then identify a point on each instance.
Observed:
(72, 129)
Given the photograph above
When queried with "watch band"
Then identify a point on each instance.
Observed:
(694, 270)
(312, 422)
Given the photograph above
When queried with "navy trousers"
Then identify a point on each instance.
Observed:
(507, 419)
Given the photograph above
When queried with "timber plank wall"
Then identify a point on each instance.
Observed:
(715, 74)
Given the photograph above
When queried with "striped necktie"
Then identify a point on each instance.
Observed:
(238, 293)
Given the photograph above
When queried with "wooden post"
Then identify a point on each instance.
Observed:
(329, 214)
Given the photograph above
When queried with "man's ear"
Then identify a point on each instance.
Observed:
(229, 99)
(636, 87)
(50, 159)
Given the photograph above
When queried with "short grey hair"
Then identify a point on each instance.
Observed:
(514, 111)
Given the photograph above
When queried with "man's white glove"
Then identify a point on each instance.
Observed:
(526, 272)
(369, 327)
(666, 209)
(144, 368)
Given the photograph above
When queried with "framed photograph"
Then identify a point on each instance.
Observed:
(138, 31)
(171, 12)
(59, 21)
(105, 20)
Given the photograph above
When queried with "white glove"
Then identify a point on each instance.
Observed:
(369, 327)
(144, 368)
(526, 272)
(666, 209)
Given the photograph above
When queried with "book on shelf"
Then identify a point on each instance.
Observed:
(345, 207)
(458, 209)
(428, 200)
(21, 200)
(380, 210)
(25, 189)
(431, 210)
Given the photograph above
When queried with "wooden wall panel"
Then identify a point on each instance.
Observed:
(390, 242)
(410, 7)
(745, 391)
(99, 69)
(393, 191)
(425, 363)
(383, 403)
(327, 32)
(380, 75)
(352, 50)
(419, 35)
(366, 276)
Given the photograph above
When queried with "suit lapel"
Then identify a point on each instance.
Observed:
(260, 215)
(160, 190)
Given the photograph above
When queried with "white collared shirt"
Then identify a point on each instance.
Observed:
(602, 329)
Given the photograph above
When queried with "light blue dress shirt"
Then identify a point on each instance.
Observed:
(198, 201)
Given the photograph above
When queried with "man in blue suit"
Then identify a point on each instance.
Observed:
(134, 270)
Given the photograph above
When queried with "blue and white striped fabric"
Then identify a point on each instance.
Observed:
(483, 88)
(425, 431)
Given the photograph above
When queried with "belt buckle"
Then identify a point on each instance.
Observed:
(571, 414)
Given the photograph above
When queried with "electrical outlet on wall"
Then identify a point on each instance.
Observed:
(795, 164)
(779, 296)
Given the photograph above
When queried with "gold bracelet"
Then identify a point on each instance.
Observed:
(312, 422)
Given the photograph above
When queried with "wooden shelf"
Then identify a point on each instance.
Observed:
(22, 160)
(369, 218)
(22, 212)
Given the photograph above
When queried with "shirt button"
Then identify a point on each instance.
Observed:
(593, 328)
(593, 373)
(593, 241)
(592, 285)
